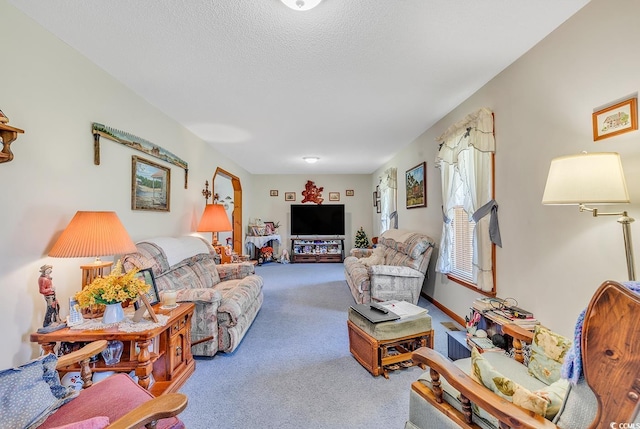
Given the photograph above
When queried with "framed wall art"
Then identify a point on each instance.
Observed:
(349, 193)
(375, 198)
(289, 196)
(273, 193)
(416, 186)
(617, 119)
(150, 185)
(334, 196)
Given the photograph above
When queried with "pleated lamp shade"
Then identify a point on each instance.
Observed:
(93, 234)
(215, 220)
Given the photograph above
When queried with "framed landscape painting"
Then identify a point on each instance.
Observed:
(150, 185)
(416, 186)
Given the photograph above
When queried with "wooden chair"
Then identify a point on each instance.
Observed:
(608, 393)
(118, 397)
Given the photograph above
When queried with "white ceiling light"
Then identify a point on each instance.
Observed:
(310, 159)
(301, 4)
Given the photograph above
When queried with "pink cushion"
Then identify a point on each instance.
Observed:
(112, 397)
(99, 422)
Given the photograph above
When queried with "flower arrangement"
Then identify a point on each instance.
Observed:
(112, 289)
(266, 252)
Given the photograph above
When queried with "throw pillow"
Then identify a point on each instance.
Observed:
(548, 350)
(554, 395)
(484, 373)
(31, 392)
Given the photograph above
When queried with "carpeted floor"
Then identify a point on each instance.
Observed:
(293, 368)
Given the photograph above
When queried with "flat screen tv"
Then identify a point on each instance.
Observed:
(317, 219)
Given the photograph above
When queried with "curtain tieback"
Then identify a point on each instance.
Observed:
(494, 227)
(445, 219)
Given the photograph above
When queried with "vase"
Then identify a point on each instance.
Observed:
(113, 314)
(113, 352)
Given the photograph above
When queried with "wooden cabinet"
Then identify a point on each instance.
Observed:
(162, 354)
(317, 250)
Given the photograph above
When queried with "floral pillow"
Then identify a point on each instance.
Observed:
(484, 373)
(545, 402)
(548, 350)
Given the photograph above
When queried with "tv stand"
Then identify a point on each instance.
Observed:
(317, 249)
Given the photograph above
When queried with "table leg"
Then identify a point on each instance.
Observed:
(48, 348)
(145, 366)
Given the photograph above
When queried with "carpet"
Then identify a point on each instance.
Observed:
(293, 368)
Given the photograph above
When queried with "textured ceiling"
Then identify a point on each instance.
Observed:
(351, 81)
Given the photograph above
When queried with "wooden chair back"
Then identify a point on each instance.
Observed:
(611, 353)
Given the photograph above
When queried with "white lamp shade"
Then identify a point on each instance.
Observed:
(301, 4)
(586, 178)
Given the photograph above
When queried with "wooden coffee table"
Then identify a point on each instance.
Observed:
(169, 360)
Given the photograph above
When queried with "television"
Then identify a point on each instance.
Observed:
(317, 219)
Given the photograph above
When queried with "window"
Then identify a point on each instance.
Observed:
(462, 249)
(466, 164)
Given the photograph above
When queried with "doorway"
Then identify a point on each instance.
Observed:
(229, 191)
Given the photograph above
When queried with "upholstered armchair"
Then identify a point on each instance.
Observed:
(33, 397)
(605, 367)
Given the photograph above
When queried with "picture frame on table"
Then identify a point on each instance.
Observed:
(270, 228)
(150, 185)
(334, 196)
(416, 186)
(147, 276)
(616, 119)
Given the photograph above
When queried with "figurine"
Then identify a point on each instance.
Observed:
(52, 317)
(284, 258)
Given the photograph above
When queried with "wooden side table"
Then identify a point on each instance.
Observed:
(170, 361)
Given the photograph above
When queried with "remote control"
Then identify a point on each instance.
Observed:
(379, 308)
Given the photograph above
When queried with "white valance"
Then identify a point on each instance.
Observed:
(477, 126)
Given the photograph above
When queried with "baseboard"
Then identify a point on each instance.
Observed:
(444, 309)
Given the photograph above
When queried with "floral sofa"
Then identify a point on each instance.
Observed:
(227, 297)
(395, 269)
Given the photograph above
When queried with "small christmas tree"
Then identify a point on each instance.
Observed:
(362, 242)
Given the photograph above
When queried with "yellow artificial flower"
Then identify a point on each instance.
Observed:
(112, 289)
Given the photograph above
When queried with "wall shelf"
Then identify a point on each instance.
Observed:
(7, 134)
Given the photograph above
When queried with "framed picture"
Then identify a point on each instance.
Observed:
(289, 196)
(150, 185)
(273, 193)
(334, 196)
(378, 207)
(375, 198)
(349, 193)
(617, 119)
(147, 276)
(270, 228)
(416, 186)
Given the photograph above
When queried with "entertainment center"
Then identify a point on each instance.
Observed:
(317, 250)
(317, 233)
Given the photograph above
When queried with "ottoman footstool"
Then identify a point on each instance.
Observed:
(386, 346)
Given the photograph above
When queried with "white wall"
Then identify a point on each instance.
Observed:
(553, 257)
(358, 208)
(54, 94)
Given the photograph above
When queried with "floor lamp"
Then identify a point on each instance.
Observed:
(592, 179)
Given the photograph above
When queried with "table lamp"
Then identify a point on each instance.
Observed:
(591, 179)
(93, 234)
(214, 220)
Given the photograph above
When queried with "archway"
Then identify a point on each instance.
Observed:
(236, 215)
